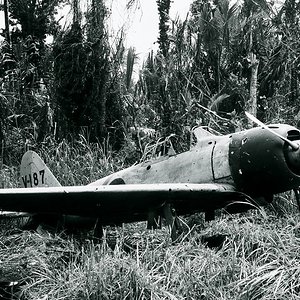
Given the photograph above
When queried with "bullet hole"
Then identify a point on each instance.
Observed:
(244, 141)
(148, 167)
(209, 143)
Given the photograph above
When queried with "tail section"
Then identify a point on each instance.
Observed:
(35, 173)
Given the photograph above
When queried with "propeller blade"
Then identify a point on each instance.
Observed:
(294, 146)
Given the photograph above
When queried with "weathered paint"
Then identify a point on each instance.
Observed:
(35, 173)
(193, 166)
(252, 162)
(118, 203)
(220, 160)
(261, 162)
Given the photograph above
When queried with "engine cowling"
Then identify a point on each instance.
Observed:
(262, 163)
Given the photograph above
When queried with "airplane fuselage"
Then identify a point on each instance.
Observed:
(219, 171)
(253, 161)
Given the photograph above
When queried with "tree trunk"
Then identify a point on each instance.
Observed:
(7, 33)
(294, 90)
(252, 106)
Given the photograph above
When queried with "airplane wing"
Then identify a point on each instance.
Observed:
(119, 203)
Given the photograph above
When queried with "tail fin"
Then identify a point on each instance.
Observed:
(35, 173)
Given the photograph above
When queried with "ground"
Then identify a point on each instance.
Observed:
(250, 256)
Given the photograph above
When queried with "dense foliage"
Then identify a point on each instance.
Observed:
(224, 58)
(74, 99)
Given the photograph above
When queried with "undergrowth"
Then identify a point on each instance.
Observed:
(256, 255)
(259, 259)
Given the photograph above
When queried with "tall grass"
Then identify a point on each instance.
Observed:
(258, 260)
(9, 176)
(79, 162)
(259, 257)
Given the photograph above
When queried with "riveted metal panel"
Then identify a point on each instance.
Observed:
(220, 160)
(193, 166)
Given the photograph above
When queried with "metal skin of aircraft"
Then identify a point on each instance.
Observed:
(235, 171)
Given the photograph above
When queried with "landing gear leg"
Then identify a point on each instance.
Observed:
(209, 215)
(32, 223)
(98, 230)
(154, 221)
(171, 221)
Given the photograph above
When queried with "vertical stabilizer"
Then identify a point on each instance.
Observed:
(35, 173)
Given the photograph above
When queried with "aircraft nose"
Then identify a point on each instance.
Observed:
(293, 158)
(262, 164)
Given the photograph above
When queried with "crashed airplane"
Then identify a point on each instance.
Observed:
(237, 171)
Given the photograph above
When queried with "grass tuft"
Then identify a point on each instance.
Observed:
(257, 256)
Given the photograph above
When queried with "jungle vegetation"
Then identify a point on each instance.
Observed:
(76, 102)
(223, 59)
